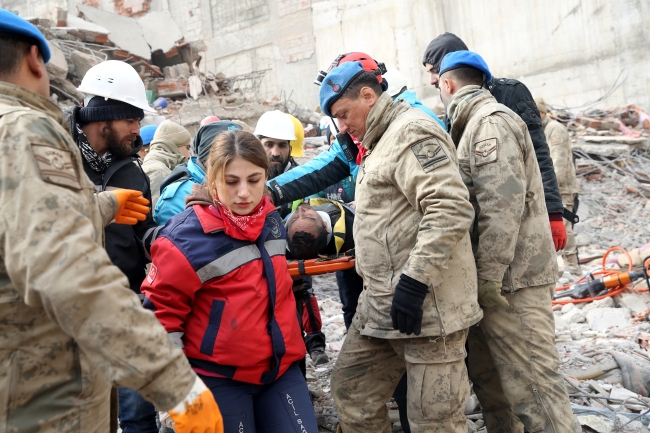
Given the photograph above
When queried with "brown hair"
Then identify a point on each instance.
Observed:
(227, 146)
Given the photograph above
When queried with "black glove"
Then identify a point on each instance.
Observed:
(406, 310)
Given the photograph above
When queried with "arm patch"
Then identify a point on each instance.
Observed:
(55, 166)
(430, 154)
(485, 151)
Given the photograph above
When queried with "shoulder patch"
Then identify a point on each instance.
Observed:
(56, 166)
(430, 154)
(485, 151)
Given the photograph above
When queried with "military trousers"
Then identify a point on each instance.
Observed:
(570, 248)
(513, 364)
(368, 369)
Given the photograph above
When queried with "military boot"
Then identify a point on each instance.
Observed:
(571, 264)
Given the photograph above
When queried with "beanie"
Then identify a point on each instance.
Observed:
(147, 132)
(173, 133)
(206, 135)
(440, 47)
(100, 109)
(541, 105)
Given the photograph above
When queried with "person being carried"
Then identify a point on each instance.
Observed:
(220, 286)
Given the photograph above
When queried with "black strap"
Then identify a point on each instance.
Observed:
(301, 267)
(570, 216)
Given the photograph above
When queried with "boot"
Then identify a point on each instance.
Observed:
(571, 264)
(318, 357)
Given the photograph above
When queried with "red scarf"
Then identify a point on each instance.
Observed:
(244, 227)
(362, 150)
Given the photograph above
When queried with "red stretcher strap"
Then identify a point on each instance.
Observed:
(301, 268)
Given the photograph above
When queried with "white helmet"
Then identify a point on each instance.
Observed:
(396, 81)
(275, 124)
(117, 80)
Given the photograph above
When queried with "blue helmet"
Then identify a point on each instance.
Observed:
(147, 132)
(465, 59)
(14, 26)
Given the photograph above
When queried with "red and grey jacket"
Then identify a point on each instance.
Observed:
(232, 298)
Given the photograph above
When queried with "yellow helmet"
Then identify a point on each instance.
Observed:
(296, 145)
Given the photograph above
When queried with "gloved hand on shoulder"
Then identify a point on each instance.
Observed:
(406, 310)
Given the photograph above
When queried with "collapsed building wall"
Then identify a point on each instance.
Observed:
(568, 52)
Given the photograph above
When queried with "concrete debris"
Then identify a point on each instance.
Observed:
(160, 31)
(604, 318)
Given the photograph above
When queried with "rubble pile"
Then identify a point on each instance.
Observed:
(177, 83)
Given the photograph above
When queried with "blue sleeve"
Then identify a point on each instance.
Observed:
(410, 97)
(171, 201)
(324, 170)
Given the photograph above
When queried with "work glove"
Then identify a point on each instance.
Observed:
(557, 230)
(197, 413)
(131, 206)
(406, 310)
(489, 294)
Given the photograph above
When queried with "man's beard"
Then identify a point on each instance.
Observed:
(116, 144)
(277, 169)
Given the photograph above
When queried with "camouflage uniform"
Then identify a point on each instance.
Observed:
(557, 136)
(413, 217)
(513, 362)
(70, 327)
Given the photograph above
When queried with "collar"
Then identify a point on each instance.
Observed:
(197, 173)
(209, 221)
(18, 95)
(380, 117)
(461, 107)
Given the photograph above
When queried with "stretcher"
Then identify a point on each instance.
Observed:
(301, 268)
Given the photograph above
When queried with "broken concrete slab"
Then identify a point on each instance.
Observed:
(601, 319)
(124, 32)
(87, 31)
(603, 303)
(160, 31)
(634, 301)
(83, 62)
(58, 65)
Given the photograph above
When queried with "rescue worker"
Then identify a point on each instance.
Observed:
(178, 184)
(557, 137)
(107, 131)
(413, 252)
(70, 328)
(219, 284)
(513, 362)
(516, 96)
(170, 146)
(146, 133)
(282, 135)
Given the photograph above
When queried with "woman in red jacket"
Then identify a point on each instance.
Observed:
(220, 286)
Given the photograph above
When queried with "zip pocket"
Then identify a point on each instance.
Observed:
(212, 330)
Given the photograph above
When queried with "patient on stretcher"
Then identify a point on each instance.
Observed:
(316, 229)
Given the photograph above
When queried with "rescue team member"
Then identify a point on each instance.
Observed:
(516, 96)
(146, 133)
(106, 129)
(219, 284)
(170, 146)
(282, 135)
(513, 362)
(70, 326)
(331, 166)
(179, 182)
(557, 137)
(413, 252)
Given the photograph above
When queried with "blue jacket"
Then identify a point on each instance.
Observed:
(327, 168)
(172, 197)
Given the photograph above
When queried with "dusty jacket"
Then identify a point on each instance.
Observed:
(511, 237)
(69, 324)
(162, 158)
(413, 217)
(557, 137)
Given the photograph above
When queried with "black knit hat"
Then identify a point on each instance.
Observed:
(440, 47)
(100, 109)
(205, 137)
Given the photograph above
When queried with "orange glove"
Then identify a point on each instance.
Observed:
(131, 206)
(557, 230)
(198, 412)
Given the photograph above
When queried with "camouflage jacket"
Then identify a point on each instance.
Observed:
(70, 327)
(511, 235)
(413, 217)
(557, 137)
(162, 158)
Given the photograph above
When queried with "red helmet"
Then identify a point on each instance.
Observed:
(209, 119)
(368, 63)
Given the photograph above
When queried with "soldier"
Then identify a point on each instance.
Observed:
(70, 327)
(513, 362)
(557, 137)
(413, 252)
